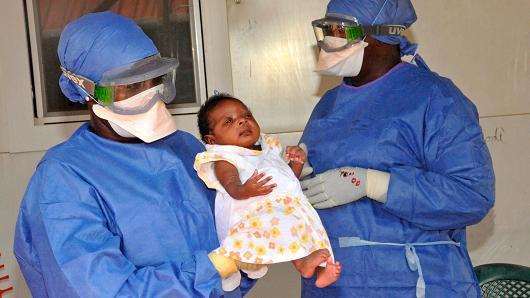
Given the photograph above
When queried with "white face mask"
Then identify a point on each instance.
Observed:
(120, 131)
(150, 126)
(344, 63)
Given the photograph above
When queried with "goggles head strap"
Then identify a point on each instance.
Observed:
(392, 30)
(88, 85)
(101, 95)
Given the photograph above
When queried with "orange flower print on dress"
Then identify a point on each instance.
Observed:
(272, 245)
(238, 244)
(255, 223)
(294, 232)
(297, 202)
(247, 255)
(288, 210)
(257, 234)
(275, 221)
(222, 251)
(261, 250)
(275, 232)
(235, 255)
(294, 247)
(300, 226)
(287, 201)
(266, 234)
(258, 261)
(281, 250)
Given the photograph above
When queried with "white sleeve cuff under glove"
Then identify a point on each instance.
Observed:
(377, 185)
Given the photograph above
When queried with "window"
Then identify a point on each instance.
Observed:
(173, 25)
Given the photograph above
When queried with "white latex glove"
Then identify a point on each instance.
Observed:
(345, 185)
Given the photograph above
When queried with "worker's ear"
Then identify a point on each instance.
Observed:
(209, 139)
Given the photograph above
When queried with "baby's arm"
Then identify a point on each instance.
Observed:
(296, 157)
(229, 178)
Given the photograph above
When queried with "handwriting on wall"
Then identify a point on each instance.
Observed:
(4, 278)
(496, 137)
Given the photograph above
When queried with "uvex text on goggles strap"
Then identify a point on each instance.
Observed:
(86, 84)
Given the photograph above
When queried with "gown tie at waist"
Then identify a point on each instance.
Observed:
(410, 253)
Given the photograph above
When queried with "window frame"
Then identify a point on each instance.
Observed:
(24, 132)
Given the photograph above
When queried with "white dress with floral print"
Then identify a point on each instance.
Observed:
(281, 226)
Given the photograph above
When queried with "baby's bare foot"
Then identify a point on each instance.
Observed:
(329, 274)
(307, 265)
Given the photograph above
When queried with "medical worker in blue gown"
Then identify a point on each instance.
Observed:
(400, 164)
(117, 210)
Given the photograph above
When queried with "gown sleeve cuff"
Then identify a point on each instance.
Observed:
(400, 196)
(205, 271)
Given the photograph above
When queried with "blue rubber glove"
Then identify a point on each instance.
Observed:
(335, 187)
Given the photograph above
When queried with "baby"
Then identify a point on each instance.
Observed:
(265, 219)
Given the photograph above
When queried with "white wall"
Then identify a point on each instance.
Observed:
(457, 38)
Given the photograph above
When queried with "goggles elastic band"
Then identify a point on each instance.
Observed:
(86, 84)
(349, 29)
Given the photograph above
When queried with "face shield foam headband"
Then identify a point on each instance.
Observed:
(348, 28)
(128, 80)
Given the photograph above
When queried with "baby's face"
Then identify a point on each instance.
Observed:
(231, 123)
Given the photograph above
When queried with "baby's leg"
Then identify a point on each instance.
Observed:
(307, 265)
(329, 274)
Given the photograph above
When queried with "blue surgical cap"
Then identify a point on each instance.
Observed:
(97, 42)
(378, 12)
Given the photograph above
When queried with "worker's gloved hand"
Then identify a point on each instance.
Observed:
(335, 187)
(344, 185)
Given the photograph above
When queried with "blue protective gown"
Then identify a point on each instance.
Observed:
(107, 219)
(421, 129)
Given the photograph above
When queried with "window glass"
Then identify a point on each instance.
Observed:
(169, 23)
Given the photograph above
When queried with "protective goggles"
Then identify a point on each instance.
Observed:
(348, 28)
(128, 80)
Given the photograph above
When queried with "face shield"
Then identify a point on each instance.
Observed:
(124, 82)
(348, 29)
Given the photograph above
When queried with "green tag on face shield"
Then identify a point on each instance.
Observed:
(104, 95)
(353, 33)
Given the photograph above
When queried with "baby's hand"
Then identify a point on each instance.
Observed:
(295, 154)
(255, 185)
